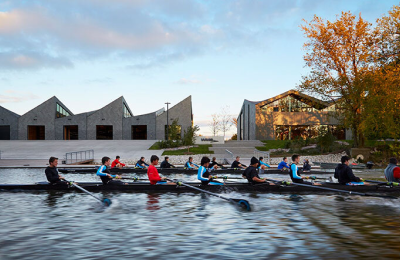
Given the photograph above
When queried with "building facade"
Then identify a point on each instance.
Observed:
(288, 116)
(52, 120)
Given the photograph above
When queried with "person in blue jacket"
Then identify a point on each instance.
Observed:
(262, 165)
(203, 174)
(141, 164)
(190, 164)
(105, 174)
(283, 165)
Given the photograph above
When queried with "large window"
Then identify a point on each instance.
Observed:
(139, 132)
(126, 112)
(70, 132)
(104, 132)
(36, 132)
(5, 132)
(291, 104)
(61, 112)
(287, 132)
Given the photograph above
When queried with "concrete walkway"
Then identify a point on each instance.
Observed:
(15, 153)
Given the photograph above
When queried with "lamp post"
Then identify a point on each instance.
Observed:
(167, 120)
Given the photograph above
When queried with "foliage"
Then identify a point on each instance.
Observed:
(325, 141)
(174, 131)
(189, 135)
(273, 144)
(225, 119)
(358, 63)
(234, 137)
(199, 149)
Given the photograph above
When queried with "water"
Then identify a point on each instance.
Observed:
(59, 225)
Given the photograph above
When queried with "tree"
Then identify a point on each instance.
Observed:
(339, 56)
(225, 119)
(215, 124)
(189, 135)
(234, 121)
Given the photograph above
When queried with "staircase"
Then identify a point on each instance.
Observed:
(244, 149)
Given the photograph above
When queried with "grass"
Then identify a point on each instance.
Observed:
(272, 144)
(155, 146)
(200, 149)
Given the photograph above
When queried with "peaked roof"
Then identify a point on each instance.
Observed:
(301, 96)
(9, 111)
(52, 99)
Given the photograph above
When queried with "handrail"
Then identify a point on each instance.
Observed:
(79, 156)
(265, 154)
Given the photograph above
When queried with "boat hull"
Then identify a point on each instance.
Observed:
(228, 187)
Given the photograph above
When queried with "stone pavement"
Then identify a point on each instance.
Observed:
(244, 149)
(33, 152)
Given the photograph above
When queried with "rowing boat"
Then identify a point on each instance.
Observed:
(178, 170)
(228, 187)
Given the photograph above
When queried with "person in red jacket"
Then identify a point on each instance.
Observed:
(153, 175)
(117, 163)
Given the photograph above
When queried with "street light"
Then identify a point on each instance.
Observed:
(167, 120)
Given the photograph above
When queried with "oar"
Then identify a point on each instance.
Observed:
(384, 183)
(227, 177)
(241, 202)
(133, 178)
(331, 189)
(105, 201)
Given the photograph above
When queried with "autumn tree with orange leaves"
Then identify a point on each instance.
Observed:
(344, 60)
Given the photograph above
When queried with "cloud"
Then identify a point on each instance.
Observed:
(150, 33)
(16, 96)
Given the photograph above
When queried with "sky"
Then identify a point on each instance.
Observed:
(89, 53)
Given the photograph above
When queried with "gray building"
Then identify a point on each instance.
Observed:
(52, 120)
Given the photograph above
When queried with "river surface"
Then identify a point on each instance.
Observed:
(59, 225)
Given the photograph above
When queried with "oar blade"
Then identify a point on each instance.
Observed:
(242, 203)
(106, 202)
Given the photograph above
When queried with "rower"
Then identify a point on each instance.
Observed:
(141, 164)
(392, 171)
(294, 172)
(117, 163)
(190, 165)
(283, 165)
(51, 171)
(152, 173)
(251, 173)
(214, 162)
(262, 165)
(237, 164)
(203, 174)
(306, 166)
(345, 174)
(105, 174)
(166, 164)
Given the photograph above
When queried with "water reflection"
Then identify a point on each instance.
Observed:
(153, 201)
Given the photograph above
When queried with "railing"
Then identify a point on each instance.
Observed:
(229, 157)
(79, 157)
(259, 154)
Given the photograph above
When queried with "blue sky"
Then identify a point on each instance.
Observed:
(88, 53)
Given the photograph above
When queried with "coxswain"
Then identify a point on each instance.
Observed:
(251, 173)
(190, 164)
(166, 164)
(51, 171)
(203, 174)
(117, 163)
(262, 165)
(141, 164)
(152, 173)
(345, 174)
(294, 172)
(306, 166)
(237, 164)
(392, 171)
(214, 162)
(105, 174)
(283, 165)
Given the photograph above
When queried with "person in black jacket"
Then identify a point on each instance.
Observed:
(52, 173)
(251, 173)
(344, 173)
(214, 162)
(236, 164)
(166, 164)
